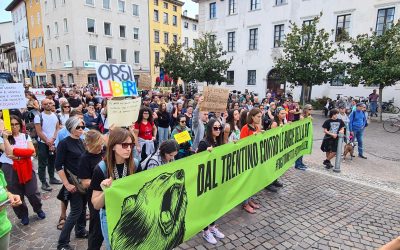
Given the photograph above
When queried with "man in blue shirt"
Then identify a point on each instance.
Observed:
(358, 121)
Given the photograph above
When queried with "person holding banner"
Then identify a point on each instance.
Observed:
(118, 163)
(145, 133)
(232, 126)
(213, 138)
(251, 128)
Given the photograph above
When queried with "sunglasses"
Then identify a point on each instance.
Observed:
(182, 121)
(217, 128)
(14, 124)
(80, 127)
(67, 106)
(125, 145)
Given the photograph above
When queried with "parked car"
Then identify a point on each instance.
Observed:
(6, 78)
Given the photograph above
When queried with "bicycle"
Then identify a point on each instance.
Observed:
(391, 125)
(388, 107)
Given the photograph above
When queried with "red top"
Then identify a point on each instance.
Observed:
(246, 131)
(145, 130)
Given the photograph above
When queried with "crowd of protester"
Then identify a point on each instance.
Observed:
(74, 140)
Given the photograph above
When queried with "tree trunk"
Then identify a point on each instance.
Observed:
(303, 94)
(380, 101)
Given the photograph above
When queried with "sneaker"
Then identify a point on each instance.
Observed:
(209, 237)
(271, 188)
(328, 164)
(363, 157)
(67, 247)
(25, 221)
(214, 230)
(277, 183)
(300, 167)
(46, 187)
(54, 181)
(41, 215)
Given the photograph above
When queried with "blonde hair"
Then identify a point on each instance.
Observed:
(93, 139)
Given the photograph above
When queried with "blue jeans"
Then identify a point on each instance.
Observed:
(104, 228)
(162, 134)
(299, 162)
(373, 107)
(359, 134)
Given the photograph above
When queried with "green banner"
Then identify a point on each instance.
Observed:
(162, 207)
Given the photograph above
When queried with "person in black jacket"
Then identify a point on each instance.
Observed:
(163, 120)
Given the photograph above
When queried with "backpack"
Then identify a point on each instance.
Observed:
(146, 165)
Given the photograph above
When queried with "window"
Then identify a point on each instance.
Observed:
(90, 25)
(384, 20)
(92, 52)
(166, 38)
(33, 43)
(278, 35)
(186, 43)
(342, 27)
(136, 57)
(157, 57)
(280, 2)
(157, 36)
(48, 31)
(255, 4)
(136, 33)
(123, 55)
(155, 18)
(88, 2)
(107, 29)
(194, 27)
(135, 9)
(174, 8)
(40, 42)
(51, 55)
(56, 28)
(253, 39)
(231, 41)
(121, 6)
(251, 77)
(106, 4)
(65, 25)
(213, 10)
(32, 21)
(108, 53)
(68, 57)
(156, 2)
(55, 3)
(230, 76)
(213, 38)
(45, 7)
(62, 2)
(175, 39)
(59, 54)
(174, 20)
(122, 29)
(186, 25)
(165, 18)
(306, 37)
(165, 5)
(232, 7)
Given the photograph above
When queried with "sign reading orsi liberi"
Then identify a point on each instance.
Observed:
(162, 207)
(116, 80)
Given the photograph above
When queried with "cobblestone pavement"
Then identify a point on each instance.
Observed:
(316, 209)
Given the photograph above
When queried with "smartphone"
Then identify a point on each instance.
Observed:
(6, 202)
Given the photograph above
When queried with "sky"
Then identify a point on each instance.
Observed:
(190, 6)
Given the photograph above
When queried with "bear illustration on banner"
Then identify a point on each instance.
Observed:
(116, 80)
(154, 218)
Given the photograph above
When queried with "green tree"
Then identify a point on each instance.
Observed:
(377, 59)
(309, 57)
(175, 62)
(207, 61)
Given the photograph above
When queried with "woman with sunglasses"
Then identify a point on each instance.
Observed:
(145, 133)
(212, 139)
(185, 149)
(69, 151)
(118, 163)
(251, 127)
(65, 112)
(94, 143)
(232, 126)
(12, 167)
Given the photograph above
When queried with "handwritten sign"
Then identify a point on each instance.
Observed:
(122, 113)
(182, 137)
(145, 82)
(215, 99)
(12, 96)
(116, 80)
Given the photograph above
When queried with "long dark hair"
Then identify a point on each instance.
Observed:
(209, 130)
(142, 110)
(231, 120)
(11, 138)
(243, 118)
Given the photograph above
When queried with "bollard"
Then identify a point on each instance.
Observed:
(338, 161)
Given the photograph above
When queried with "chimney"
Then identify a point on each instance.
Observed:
(185, 12)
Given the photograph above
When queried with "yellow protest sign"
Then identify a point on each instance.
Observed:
(182, 137)
(6, 119)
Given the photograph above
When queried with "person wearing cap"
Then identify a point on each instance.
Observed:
(357, 124)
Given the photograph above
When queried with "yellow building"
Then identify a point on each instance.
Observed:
(165, 28)
(36, 41)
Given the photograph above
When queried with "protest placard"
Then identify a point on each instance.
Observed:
(12, 96)
(145, 82)
(182, 137)
(215, 99)
(122, 113)
(116, 80)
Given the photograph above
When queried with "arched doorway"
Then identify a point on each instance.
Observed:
(275, 83)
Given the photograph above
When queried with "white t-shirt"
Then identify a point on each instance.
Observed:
(20, 142)
(49, 124)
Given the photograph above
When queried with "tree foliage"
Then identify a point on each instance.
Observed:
(175, 62)
(309, 57)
